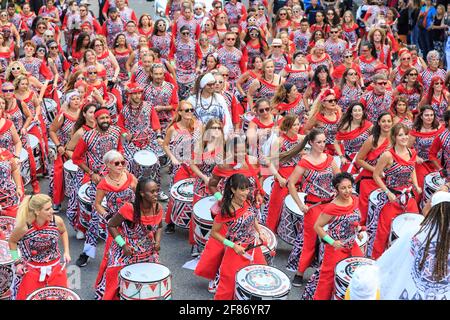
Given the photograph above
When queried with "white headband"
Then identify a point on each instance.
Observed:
(71, 94)
(207, 79)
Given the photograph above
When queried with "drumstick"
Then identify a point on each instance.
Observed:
(350, 167)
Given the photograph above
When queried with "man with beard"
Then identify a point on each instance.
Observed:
(88, 155)
(141, 72)
(140, 123)
(113, 25)
(161, 95)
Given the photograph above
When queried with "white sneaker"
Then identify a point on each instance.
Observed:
(80, 235)
(162, 196)
(212, 286)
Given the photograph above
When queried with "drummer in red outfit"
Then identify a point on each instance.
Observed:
(314, 173)
(37, 234)
(342, 217)
(137, 230)
(240, 218)
(236, 161)
(396, 165)
(367, 158)
(11, 188)
(288, 139)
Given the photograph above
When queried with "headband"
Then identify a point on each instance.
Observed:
(100, 112)
(326, 94)
(207, 79)
(71, 94)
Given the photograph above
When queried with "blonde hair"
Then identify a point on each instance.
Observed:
(8, 72)
(177, 117)
(18, 80)
(29, 207)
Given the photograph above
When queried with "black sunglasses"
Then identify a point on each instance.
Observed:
(117, 163)
(188, 110)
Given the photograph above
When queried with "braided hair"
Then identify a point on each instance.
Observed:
(140, 188)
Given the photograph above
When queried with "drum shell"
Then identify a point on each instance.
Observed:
(414, 221)
(34, 143)
(6, 269)
(140, 170)
(85, 205)
(203, 224)
(160, 289)
(6, 227)
(272, 245)
(53, 293)
(343, 273)
(70, 173)
(25, 170)
(291, 223)
(182, 206)
(50, 110)
(111, 105)
(246, 119)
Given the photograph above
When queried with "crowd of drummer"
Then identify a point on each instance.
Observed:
(344, 119)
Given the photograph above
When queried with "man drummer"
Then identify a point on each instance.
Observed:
(88, 155)
(141, 128)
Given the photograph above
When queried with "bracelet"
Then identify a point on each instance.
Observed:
(228, 243)
(218, 196)
(124, 135)
(386, 191)
(328, 240)
(14, 254)
(120, 241)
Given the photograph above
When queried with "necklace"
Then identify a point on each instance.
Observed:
(116, 181)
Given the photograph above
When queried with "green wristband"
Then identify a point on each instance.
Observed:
(218, 196)
(14, 254)
(228, 243)
(328, 240)
(120, 241)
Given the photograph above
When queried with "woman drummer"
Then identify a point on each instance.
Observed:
(11, 188)
(353, 130)
(207, 154)
(240, 218)
(37, 234)
(136, 229)
(342, 217)
(396, 165)
(118, 187)
(236, 160)
(178, 147)
(314, 173)
(60, 133)
(367, 158)
(282, 148)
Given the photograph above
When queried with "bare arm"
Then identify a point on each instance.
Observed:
(64, 237)
(297, 175)
(99, 195)
(361, 156)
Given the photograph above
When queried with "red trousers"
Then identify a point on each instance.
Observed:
(276, 201)
(104, 263)
(309, 238)
(183, 172)
(58, 180)
(231, 264)
(211, 257)
(387, 214)
(30, 281)
(366, 187)
(112, 283)
(331, 258)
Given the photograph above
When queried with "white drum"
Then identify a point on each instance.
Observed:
(86, 206)
(25, 170)
(337, 159)
(53, 293)
(432, 183)
(375, 201)
(344, 272)
(145, 281)
(272, 243)
(145, 164)
(203, 220)
(260, 282)
(291, 221)
(34, 144)
(246, 119)
(111, 105)
(70, 173)
(404, 223)
(6, 227)
(6, 269)
(182, 194)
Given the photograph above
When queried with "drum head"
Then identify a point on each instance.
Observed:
(434, 179)
(291, 205)
(6, 226)
(5, 256)
(263, 281)
(70, 166)
(202, 209)
(53, 293)
(145, 158)
(345, 268)
(49, 104)
(34, 141)
(375, 196)
(23, 155)
(272, 242)
(405, 222)
(144, 272)
(183, 190)
(268, 185)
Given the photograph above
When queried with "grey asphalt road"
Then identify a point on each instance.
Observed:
(175, 249)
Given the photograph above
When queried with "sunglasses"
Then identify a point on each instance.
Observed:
(261, 8)
(190, 110)
(225, 75)
(264, 110)
(216, 128)
(413, 74)
(383, 83)
(231, 39)
(276, 46)
(218, 7)
(348, 57)
(210, 84)
(331, 100)
(185, 33)
(352, 73)
(441, 83)
(334, 32)
(117, 163)
(403, 59)
(7, 90)
(92, 72)
(283, 14)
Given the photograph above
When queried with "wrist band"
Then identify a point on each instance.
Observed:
(120, 241)
(228, 243)
(386, 191)
(218, 196)
(328, 240)
(14, 254)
